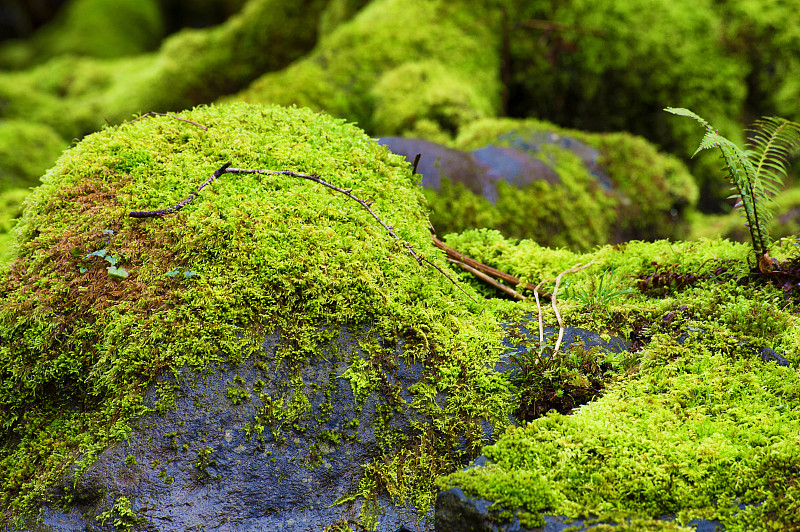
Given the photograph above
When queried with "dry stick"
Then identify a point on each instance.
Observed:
(497, 274)
(225, 168)
(480, 275)
(578, 267)
(178, 206)
(151, 113)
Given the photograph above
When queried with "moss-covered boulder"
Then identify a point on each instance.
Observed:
(409, 68)
(76, 95)
(93, 28)
(270, 319)
(701, 424)
(560, 187)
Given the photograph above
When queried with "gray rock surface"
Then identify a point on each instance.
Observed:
(200, 463)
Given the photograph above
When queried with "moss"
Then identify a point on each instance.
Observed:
(76, 96)
(93, 28)
(78, 348)
(27, 149)
(602, 73)
(396, 65)
(695, 428)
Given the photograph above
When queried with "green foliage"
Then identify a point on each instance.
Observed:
(65, 92)
(204, 460)
(94, 28)
(756, 174)
(597, 293)
(120, 516)
(27, 150)
(592, 67)
(416, 67)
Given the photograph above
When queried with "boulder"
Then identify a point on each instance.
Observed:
(262, 353)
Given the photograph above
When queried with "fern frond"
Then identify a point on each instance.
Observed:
(756, 173)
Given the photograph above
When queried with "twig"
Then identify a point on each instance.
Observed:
(225, 168)
(416, 162)
(497, 274)
(578, 267)
(480, 275)
(179, 206)
(151, 113)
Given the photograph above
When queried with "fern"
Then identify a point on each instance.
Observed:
(756, 173)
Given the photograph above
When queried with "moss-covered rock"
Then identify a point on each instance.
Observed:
(398, 67)
(93, 28)
(591, 66)
(76, 96)
(96, 305)
(27, 150)
(606, 187)
(703, 425)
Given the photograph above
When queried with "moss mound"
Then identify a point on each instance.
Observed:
(92, 28)
(80, 340)
(398, 68)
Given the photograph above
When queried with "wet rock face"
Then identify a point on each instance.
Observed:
(237, 448)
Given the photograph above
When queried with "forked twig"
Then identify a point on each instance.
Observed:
(225, 168)
(578, 267)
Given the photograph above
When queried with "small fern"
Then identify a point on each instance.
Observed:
(756, 173)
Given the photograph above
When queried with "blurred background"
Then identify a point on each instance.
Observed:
(540, 118)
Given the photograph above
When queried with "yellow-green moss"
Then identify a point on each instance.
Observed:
(94, 28)
(395, 64)
(271, 253)
(698, 426)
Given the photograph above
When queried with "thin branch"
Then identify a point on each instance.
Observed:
(497, 274)
(416, 162)
(480, 275)
(578, 267)
(151, 113)
(225, 168)
(179, 206)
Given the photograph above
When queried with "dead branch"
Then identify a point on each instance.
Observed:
(225, 168)
(578, 267)
(488, 270)
(482, 276)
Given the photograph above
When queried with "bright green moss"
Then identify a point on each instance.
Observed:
(693, 429)
(396, 67)
(94, 28)
(271, 253)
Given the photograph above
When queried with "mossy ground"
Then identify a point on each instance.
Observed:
(698, 423)
(78, 346)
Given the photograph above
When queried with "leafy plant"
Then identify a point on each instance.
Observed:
(121, 516)
(598, 293)
(756, 173)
